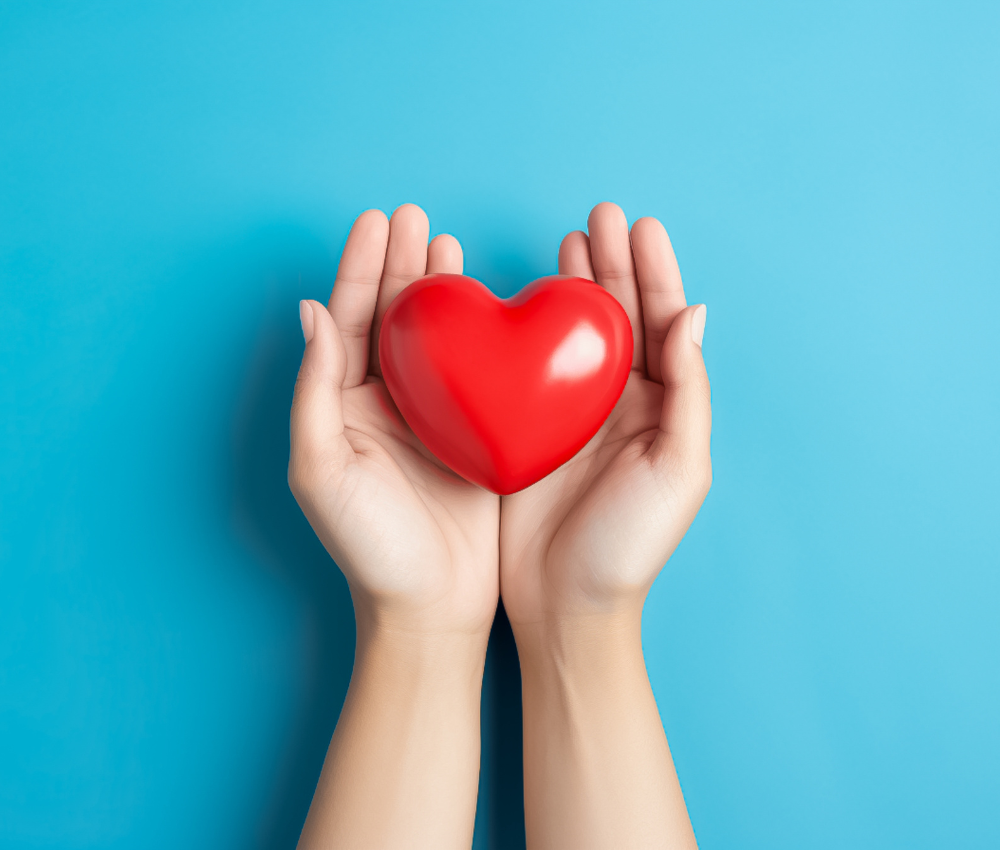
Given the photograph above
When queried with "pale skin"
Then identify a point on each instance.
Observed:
(426, 555)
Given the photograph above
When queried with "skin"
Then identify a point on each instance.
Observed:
(419, 548)
(580, 549)
(426, 554)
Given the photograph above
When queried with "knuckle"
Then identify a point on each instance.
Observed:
(703, 478)
(704, 391)
(699, 477)
(299, 392)
(312, 469)
(613, 274)
(302, 475)
(690, 472)
(296, 481)
(303, 378)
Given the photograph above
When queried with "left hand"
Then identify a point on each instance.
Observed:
(417, 543)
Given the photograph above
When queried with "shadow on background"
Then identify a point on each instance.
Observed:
(297, 264)
(270, 522)
(501, 799)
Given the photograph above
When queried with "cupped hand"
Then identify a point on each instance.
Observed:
(591, 537)
(417, 543)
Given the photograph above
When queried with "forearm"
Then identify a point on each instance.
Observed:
(402, 769)
(597, 769)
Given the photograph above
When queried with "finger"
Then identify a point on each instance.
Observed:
(355, 291)
(574, 256)
(611, 254)
(405, 261)
(444, 255)
(686, 418)
(317, 420)
(660, 288)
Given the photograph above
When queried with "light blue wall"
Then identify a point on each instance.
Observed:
(175, 646)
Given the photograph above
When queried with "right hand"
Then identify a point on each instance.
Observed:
(588, 540)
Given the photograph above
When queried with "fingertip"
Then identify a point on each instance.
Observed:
(606, 212)
(307, 319)
(411, 217)
(611, 255)
(698, 318)
(655, 262)
(325, 352)
(574, 239)
(686, 418)
(648, 226)
(373, 218)
(406, 254)
(687, 319)
(444, 255)
(574, 255)
(368, 235)
(316, 320)
(683, 343)
(316, 414)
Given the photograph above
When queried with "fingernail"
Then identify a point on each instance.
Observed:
(698, 324)
(306, 317)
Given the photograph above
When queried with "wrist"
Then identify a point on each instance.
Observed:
(583, 681)
(413, 653)
(595, 647)
(460, 614)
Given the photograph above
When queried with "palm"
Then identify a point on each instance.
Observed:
(406, 508)
(588, 516)
(601, 526)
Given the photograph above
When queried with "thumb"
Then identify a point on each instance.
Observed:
(317, 420)
(686, 418)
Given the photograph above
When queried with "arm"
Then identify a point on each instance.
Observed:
(579, 551)
(403, 766)
(418, 546)
(597, 768)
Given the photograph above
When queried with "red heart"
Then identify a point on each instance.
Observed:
(503, 392)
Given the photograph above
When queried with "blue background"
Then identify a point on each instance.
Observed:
(175, 645)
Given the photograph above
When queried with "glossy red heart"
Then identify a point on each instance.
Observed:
(505, 391)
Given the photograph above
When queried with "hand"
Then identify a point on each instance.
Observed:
(579, 551)
(417, 543)
(419, 548)
(590, 538)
